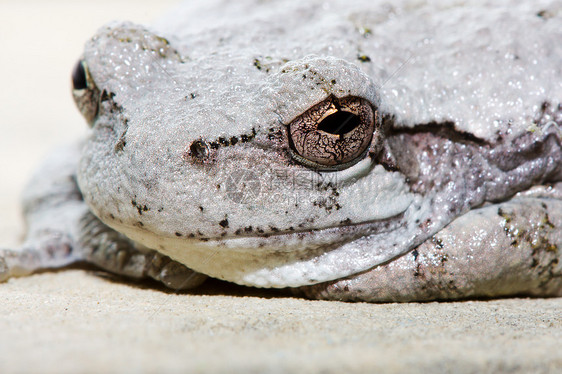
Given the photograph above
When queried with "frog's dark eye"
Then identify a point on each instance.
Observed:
(334, 134)
(79, 80)
(86, 94)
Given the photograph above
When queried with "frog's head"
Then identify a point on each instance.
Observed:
(259, 171)
(232, 171)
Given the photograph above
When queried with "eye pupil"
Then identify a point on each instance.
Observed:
(339, 123)
(79, 77)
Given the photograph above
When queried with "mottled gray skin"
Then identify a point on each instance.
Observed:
(190, 170)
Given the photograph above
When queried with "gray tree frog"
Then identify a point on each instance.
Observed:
(361, 150)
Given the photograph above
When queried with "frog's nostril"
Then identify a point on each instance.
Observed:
(339, 123)
(79, 80)
(199, 149)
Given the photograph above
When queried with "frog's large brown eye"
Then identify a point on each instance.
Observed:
(333, 134)
(85, 92)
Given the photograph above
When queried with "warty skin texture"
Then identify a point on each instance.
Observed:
(190, 115)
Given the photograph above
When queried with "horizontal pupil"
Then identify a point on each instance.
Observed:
(339, 123)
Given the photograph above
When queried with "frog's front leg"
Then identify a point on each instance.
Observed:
(61, 230)
(512, 248)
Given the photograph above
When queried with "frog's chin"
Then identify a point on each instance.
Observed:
(282, 260)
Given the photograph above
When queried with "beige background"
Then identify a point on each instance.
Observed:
(78, 321)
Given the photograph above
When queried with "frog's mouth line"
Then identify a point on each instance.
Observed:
(304, 257)
(263, 260)
(259, 241)
(347, 231)
(434, 240)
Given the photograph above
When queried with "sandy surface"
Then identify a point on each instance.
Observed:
(78, 321)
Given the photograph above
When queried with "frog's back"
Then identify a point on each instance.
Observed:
(491, 69)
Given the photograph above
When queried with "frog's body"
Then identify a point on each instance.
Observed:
(358, 151)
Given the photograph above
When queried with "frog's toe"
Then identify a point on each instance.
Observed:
(4, 271)
(53, 251)
(512, 248)
(173, 274)
(114, 252)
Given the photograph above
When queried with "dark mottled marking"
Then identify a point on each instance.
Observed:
(438, 242)
(140, 208)
(544, 14)
(534, 263)
(504, 215)
(364, 58)
(415, 253)
(121, 143)
(259, 66)
(106, 96)
(546, 221)
(224, 223)
(178, 234)
(417, 272)
(275, 134)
